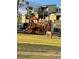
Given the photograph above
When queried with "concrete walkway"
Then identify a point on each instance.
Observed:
(37, 53)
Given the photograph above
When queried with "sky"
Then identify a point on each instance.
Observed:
(36, 3)
(45, 2)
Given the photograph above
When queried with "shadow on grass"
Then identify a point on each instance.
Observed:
(37, 47)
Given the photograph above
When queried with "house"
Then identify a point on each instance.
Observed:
(51, 8)
(21, 19)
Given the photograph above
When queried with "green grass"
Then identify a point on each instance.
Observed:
(36, 47)
(38, 39)
(39, 44)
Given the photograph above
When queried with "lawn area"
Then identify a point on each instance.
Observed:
(38, 39)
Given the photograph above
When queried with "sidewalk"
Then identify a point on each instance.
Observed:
(37, 53)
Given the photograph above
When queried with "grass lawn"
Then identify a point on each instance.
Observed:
(38, 39)
(37, 51)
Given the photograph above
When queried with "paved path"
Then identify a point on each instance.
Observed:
(37, 53)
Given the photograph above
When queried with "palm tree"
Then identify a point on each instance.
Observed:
(29, 10)
(19, 2)
(18, 14)
(19, 18)
(17, 7)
